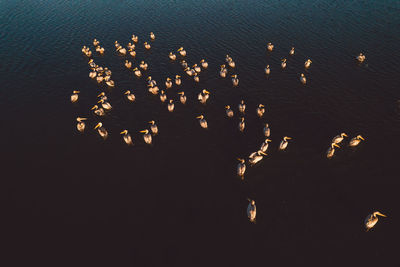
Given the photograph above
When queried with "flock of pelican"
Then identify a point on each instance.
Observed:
(103, 74)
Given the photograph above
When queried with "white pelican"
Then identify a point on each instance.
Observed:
(171, 105)
(284, 143)
(152, 36)
(92, 74)
(172, 56)
(264, 145)
(80, 125)
(182, 51)
(127, 137)
(267, 70)
(107, 71)
(252, 211)
(98, 111)
(153, 89)
(331, 150)
(110, 83)
(339, 138)
(153, 127)
(303, 79)
(270, 47)
(241, 168)
(91, 63)
(101, 130)
(182, 98)
(74, 96)
(105, 104)
(121, 50)
(190, 71)
(196, 78)
(131, 46)
(203, 96)
(242, 106)
(196, 68)
(151, 82)
(100, 50)
(103, 96)
(163, 96)
(132, 53)
(229, 111)
(283, 63)
(184, 64)
(168, 83)
(228, 59)
(241, 124)
(134, 38)
(267, 130)
(372, 219)
(235, 80)
(95, 42)
(356, 140)
(143, 65)
(223, 71)
(129, 96)
(291, 51)
(204, 64)
(146, 136)
(137, 72)
(178, 80)
(231, 64)
(116, 44)
(361, 57)
(128, 64)
(256, 157)
(147, 45)
(260, 110)
(202, 121)
(307, 64)
(99, 78)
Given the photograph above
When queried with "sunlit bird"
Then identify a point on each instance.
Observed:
(178, 80)
(264, 145)
(307, 64)
(204, 64)
(131, 97)
(291, 51)
(361, 57)
(81, 124)
(339, 138)
(92, 74)
(102, 96)
(98, 111)
(260, 110)
(121, 50)
(127, 137)
(128, 64)
(101, 130)
(303, 79)
(270, 47)
(229, 111)
(256, 157)
(242, 106)
(241, 124)
(252, 211)
(331, 150)
(356, 140)
(171, 105)
(74, 96)
(284, 143)
(196, 78)
(152, 36)
(372, 219)
(146, 136)
(110, 83)
(283, 63)
(203, 96)
(267, 130)
(95, 42)
(235, 80)
(134, 38)
(182, 51)
(153, 127)
(143, 65)
(147, 45)
(163, 96)
(105, 105)
(182, 97)
(153, 89)
(202, 121)
(223, 71)
(241, 168)
(168, 83)
(172, 56)
(137, 72)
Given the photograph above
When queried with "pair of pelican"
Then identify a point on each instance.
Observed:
(153, 89)
(131, 46)
(202, 121)
(203, 96)
(95, 42)
(131, 97)
(74, 96)
(361, 57)
(235, 80)
(284, 143)
(100, 50)
(86, 51)
(182, 51)
(134, 38)
(307, 64)
(353, 142)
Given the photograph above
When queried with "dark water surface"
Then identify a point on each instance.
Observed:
(76, 200)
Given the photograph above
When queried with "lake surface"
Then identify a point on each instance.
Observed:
(75, 200)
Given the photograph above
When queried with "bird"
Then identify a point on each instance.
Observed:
(196, 68)
(252, 211)
(74, 96)
(100, 50)
(92, 74)
(260, 110)
(235, 80)
(241, 124)
(110, 83)
(229, 111)
(372, 219)
(101, 130)
(184, 64)
(331, 150)
(241, 168)
(202, 121)
(102, 96)
(178, 80)
(203, 96)
(339, 138)
(96, 42)
(99, 78)
(182, 51)
(134, 38)
(172, 56)
(283, 63)
(163, 96)
(121, 50)
(153, 89)
(143, 65)
(267, 130)
(127, 137)
(152, 36)
(242, 106)
(131, 97)
(171, 105)
(128, 64)
(168, 83)
(196, 78)
(270, 47)
(303, 79)
(284, 143)
(264, 145)
(267, 70)
(147, 45)
(190, 71)
(98, 111)
(223, 71)
(204, 64)
(356, 140)
(105, 104)
(131, 46)
(151, 82)
(361, 57)
(146, 136)
(228, 59)
(291, 51)
(80, 125)
(153, 127)
(256, 157)
(132, 53)
(307, 64)
(137, 72)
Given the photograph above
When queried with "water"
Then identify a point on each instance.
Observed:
(75, 199)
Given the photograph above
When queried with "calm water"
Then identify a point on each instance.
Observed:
(76, 200)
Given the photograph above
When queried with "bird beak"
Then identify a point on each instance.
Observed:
(206, 91)
(97, 126)
(93, 108)
(336, 145)
(123, 132)
(268, 140)
(261, 105)
(198, 117)
(99, 101)
(289, 138)
(127, 92)
(383, 215)
(263, 153)
(345, 134)
(143, 131)
(239, 159)
(362, 138)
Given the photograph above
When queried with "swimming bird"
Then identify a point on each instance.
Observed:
(95, 42)
(184, 64)
(178, 80)
(143, 65)
(190, 71)
(102, 96)
(356, 140)
(80, 125)
(267, 130)
(242, 106)
(100, 50)
(128, 64)
(204, 64)
(270, 47)
(127, 137)
(98, 111)
(129, 96)
(267, 70)
(241, 168)
(92, 74)
(235, 80)
(116, 44)
(284, 143)
(202, 121)
(291, 51)
(171, 105)
(99, 78)
(74, 96)
(228, 59)
(339, 138)
(101, 130)
(303, 79)
(260, 110)
(137, 72)
(134, 38)
(331, 150)
(283, 63)
(223, 71)
(131, 46)
(146, 136)
(196, 78)
(147, 45)
(196, 68)
(252, 211)
(182, 51)
(241, 124)
(182, 98)
(361, 57)
(256, 157)
(172, 56)
(168, 83)
(121, 50)
(110, 83)
(132, 53)
(372, 219)
(153, 127)
(105, 104)
(307, 64)
(203, 96)
(152, 36)
(229, 111)
(163, 96)
(264, 145)
(153, 89)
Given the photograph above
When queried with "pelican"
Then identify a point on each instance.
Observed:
(284, 143)
(91, 63)
(99, 78)
(151, 82)
(100, 50)
(361, 57)
(331, 150)
(152, 36)
(116, 44)
(228, 59)
(256, 157)
(190, 71)
(128, 64)
(134, 38)
(107, 71)
(88, 53)
(74, 96)
(146, 136)
(196, 78)
(80, 125)
(182, 98)
(203, 96)
(129, 96)
(270, 47)
(95, 42)
(260, 110)
(172, 56)
(204, 64)
(267, 130)
(121, 50)
(132, 53)
(127, 137)
(231, 64)
(283, 63)
(267, 70)
(131, 46)
(242, 106)
(178, 80)
(235, 80)
(143, 65)
(202, 121)
(105, 104)
(241, 168)
(303, 79)
(98, 111)
(168, 83)
(372, 219)
(356, 140)
(171, 105)
(291, 51)
(182, 51)
(307, 64)
(251, 211)
(241, 124)
(137, 72)
(196, 68)
(92, 74)
(339, 138)
(110, 83)
(147, 45)
(184, 64)
(103, 96)
(153, 89)
(101, 130)
(163, 96)
(229, 111)
(223, 71)
(264, 145)
(153, 127)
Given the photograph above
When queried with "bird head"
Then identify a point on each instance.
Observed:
(98, 125)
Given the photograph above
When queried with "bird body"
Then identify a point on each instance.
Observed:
(284, 143)
(252, 211)
(127, 137)
(202, 121)
(356, 140)
(101, 130)
(331, 150)
(80, 125)
(229, 111)
(260, 110)
(372, 219)
(339, 138)
(74, 96)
